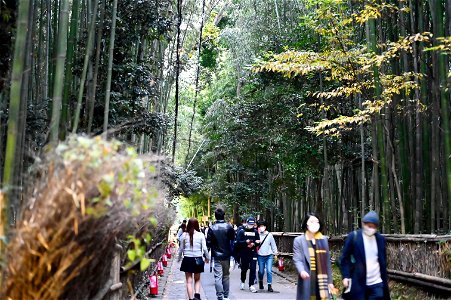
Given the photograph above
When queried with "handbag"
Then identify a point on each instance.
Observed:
(200, 260)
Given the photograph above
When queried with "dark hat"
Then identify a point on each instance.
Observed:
(371, 217)
(261, 223)
(250, 221)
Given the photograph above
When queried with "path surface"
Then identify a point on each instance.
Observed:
(175, 287)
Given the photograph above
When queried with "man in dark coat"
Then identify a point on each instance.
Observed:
(247, 240)
(363, 262)
(219, 238)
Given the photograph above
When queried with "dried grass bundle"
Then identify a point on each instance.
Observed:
(89, 195)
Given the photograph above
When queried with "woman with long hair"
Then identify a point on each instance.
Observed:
(194, 248)
(312, 259)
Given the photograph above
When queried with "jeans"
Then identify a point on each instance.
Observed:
(265, 262)
(374, 292)
(248, 263)
(221, 271)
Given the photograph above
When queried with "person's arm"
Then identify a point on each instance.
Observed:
(299, 257)
(329, 266)
(181, 249)
(205, 249)
(209, 238)
(241, 239)
(273, 244)
(345, 258)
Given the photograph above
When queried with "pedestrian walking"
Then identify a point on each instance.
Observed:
(312, 259)
(193, 246)
(266, 250)
(220, 237)
(180, 231)
(363, 262)
(247, 240)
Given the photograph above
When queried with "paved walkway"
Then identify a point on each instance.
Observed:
(175, 287)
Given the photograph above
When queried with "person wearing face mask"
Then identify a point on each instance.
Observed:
(247, 241)
(265, 251)
(363, 263)
(312, 260)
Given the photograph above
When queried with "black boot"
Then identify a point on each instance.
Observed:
(260, 284)
(196, 297)
(270, 288)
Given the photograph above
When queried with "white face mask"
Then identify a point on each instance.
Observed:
(313, 227)
(250, 226)
(369, 231)
(262, 229)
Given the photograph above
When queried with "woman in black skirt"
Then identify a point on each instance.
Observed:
(194, 248)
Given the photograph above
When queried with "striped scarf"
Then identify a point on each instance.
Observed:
(319, 279)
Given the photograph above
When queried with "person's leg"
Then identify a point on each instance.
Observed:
(253, 271)
(225, 277)
(261, 270)
(218, 271)
(245, 264)
(189, 284)
(268, 263)
(197, 283)
(375, 292)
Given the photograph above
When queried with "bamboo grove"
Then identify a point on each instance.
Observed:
(393, 73)
(84, 67)
(331, 106)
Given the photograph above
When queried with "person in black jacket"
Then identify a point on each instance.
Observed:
(219, 238)
(247, 241)
(363, 262)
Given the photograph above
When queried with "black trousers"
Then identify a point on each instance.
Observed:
(248, 262)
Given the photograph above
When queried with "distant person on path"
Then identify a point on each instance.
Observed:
(193, 246)
(180, 232)
(220, 237)
(312, 259)
(363, 262)
(247, 240)
(265, 255)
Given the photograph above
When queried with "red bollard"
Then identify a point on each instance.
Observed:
(164, 260)
(168, 253)
(160, 269)
(153, 284)
(281, 266)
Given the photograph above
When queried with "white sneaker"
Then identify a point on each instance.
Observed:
(225, 298)
(242, 286)
(252, 289)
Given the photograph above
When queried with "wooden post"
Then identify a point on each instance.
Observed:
(115, 273)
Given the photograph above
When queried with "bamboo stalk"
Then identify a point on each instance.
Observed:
(92, 26)
(110, 70)
(13, 119)
(59, 71)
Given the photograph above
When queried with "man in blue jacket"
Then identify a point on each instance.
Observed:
(363, 262)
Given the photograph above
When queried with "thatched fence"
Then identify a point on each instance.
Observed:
(94, 218)
(418, 259)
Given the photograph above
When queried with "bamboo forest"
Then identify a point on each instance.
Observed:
(121, 118)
